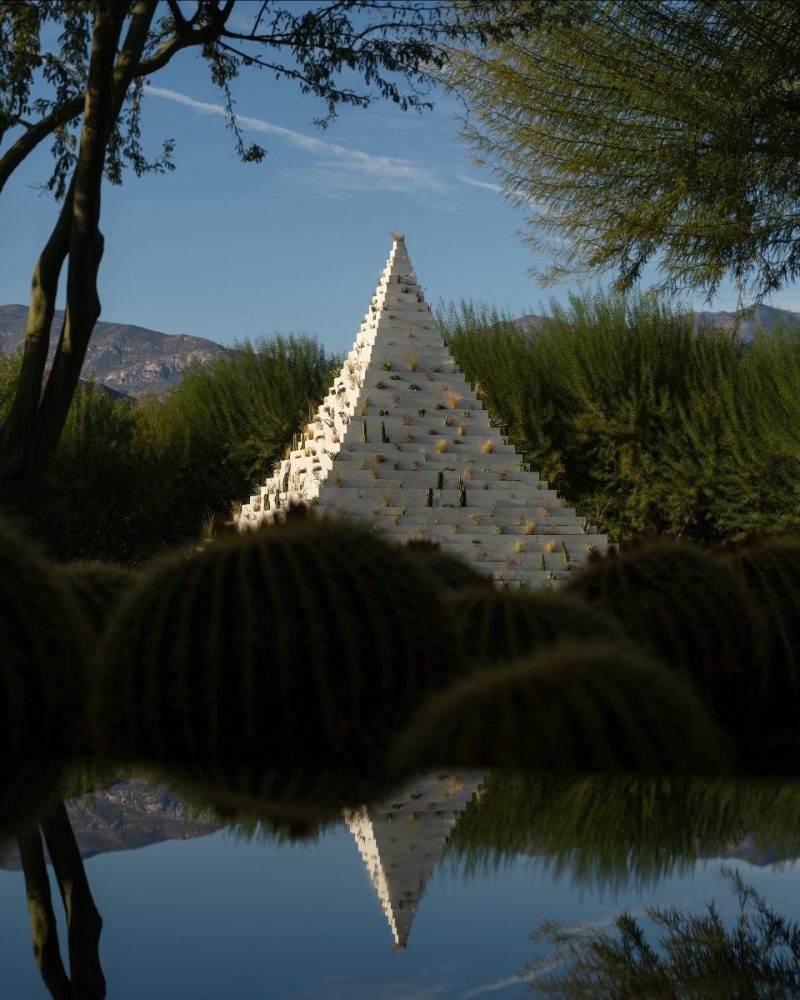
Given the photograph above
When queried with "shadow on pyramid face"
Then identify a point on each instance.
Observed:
(403, 442)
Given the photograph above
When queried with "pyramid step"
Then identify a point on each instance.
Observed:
(401, 441)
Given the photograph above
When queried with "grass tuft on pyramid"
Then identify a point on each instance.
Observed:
(402, 441)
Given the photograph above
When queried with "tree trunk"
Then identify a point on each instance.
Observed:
(42, 917)
(84, 923)
(30, 435)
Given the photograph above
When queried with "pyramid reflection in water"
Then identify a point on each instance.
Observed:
(400, 840)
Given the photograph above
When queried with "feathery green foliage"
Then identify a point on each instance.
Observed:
(573, 708)
(301, 647)
(128, 480)
(497, 626)
(648, 427)
(638, 131)
(698, 955)
(693, 612)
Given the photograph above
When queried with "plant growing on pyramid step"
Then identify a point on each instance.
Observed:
(440, 480)
(364, 433)
(462, 497)
(380, 385)
(387, 366)
(498, 529)
(488, 447)
(530, 527)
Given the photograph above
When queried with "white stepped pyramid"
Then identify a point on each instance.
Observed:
(402, 441)
(400, 841)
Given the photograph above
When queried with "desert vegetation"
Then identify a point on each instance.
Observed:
(646, 425)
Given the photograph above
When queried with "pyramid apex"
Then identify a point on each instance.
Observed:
(398, 237)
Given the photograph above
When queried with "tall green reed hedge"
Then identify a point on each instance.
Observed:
(128, 480)
(647, 425)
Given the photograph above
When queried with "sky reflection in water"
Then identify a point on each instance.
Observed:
(221, 917)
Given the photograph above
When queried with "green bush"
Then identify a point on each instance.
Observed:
(647, 426)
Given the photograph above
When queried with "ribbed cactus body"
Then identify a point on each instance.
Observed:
(771, 575)
(498, 626)
(301, 646)
(98, 587)
(44, 646)
(451, 572)
(604, 707)
(691, 610)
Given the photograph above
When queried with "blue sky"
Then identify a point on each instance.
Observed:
(227, 250)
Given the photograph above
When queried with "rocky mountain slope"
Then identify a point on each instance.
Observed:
(127, 815)
(766, 317)
(135, 361)
(129, 359)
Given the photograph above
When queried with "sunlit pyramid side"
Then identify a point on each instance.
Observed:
(402, 441)
(400, 841)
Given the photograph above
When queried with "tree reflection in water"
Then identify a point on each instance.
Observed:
(85, 980)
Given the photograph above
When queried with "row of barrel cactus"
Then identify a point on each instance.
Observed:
(313, 663)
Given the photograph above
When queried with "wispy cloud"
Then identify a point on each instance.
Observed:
(344, 167)
(495, 987)
(480, 184)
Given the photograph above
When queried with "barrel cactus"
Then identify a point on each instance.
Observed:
(603, 707)
(770, 572)
(452, 572)
(99, 587)
(498, 626)
(44, 646)
(690, 609)
(301, 646)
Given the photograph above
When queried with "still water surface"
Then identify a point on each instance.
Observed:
(219, 915)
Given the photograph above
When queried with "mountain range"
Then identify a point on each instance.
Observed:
(135, 361)
(129, 359)
(748, 321)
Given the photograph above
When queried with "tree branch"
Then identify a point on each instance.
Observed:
(31, 138)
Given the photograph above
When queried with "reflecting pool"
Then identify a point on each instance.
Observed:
(433, 892)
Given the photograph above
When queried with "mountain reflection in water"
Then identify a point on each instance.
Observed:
(599, 835)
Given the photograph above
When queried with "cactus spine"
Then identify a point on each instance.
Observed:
(499, 626)
(576, 708)
(301, 646)
(691, 610)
